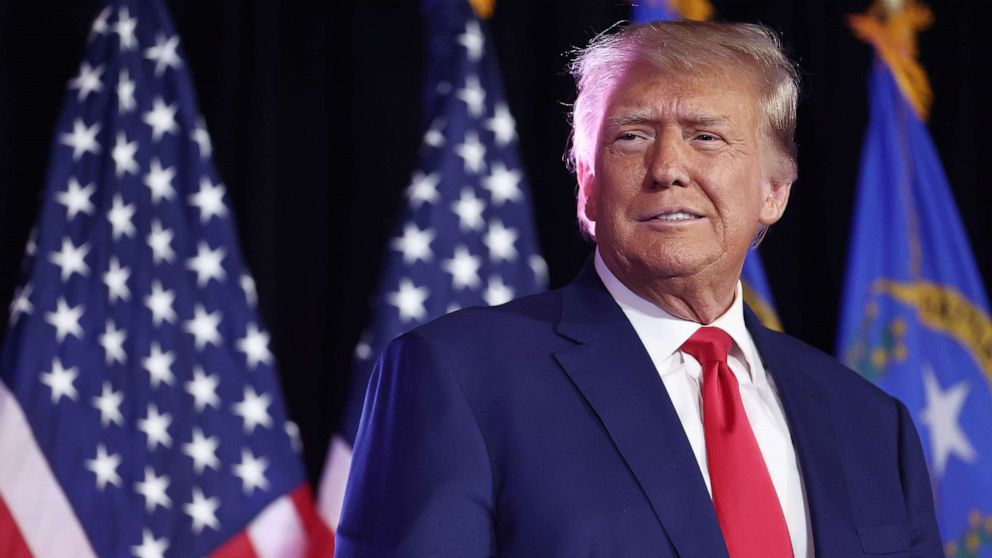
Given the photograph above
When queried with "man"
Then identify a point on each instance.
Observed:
(603, 419)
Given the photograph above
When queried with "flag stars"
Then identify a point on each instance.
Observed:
(415, 244)
(503, 184)
(88, 81)
(255, 346)
(155, 425)
(162, 119)
(253, 410)
(473, 96)
(71, 259)
(203, 327)
(82, 139)
(150, 547)
(109, 405)
(76, 199)
(61, 381)
(65, 319)
(159, 181)
(159, 302)
(209, 200)
(464, 269)
(203, 511)
(539, 268)
(502, 125)
(202, 139)
(473, 152)
(434, 136)
(124, 28)
(248, 286)
(293, 431)
(104, 466)
(409, 300)
(497, 292)
(251, 471)
(164, 53)
(153, 488)
(112, 341)
(473, 40)
(21, 305)
(942, 417)
(207, 264)
(469, 210)
(116, 280)
(125, 93)
(203, 451)
(160, 241)
(158, 363)
(123, 155)
(100, 26)
(423, 189)
(203, 388)
(120, 215)
(500, 241)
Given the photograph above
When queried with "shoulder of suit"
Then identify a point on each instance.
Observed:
(827, 369)
(542, 308)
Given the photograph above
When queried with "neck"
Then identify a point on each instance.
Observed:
(689, 300)
(701, 297)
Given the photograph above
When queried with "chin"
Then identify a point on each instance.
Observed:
(669, 263)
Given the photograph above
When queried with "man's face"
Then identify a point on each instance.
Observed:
(683, 177)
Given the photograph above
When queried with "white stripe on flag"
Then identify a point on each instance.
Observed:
(278, 531)
(35, 499)
(333, 481)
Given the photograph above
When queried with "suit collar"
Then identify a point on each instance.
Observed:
(810, 415)
(611, 369)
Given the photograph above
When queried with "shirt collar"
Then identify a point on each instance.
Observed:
(667, 333)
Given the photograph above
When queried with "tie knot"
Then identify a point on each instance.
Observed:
(708, 344)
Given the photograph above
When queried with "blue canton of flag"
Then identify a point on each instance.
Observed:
(915, 315)
(757, 293)
(466, 235)
(140, 412)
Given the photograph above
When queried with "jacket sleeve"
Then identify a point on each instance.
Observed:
(421, 480)
(924, 535)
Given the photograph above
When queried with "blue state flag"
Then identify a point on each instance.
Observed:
(652, 10)
(915, 317)
(466, 235)
(140, 409)
(757, 293)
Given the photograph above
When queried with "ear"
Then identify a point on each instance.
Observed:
(779, 185)
(587, 180)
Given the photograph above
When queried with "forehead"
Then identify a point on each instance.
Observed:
(730, 94)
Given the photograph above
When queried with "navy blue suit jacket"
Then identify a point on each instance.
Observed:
(541, 428)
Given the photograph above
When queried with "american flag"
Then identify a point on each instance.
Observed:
(466, 235)
(140, 411)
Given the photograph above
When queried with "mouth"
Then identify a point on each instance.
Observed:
(673, 216)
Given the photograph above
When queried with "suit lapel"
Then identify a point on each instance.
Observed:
(615, 375)
(809, 415)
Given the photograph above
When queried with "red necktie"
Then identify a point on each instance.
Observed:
(746, 505)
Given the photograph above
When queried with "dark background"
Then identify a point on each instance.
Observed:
(314, 112)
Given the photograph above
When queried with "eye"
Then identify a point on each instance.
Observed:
(629, 136)
(707, 137)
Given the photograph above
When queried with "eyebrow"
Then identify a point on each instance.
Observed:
(639, 116)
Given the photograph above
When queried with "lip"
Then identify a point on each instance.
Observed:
(652, 216)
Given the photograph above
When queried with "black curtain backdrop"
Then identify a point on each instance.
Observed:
(314, 111)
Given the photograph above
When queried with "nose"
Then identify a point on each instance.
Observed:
(668, 161)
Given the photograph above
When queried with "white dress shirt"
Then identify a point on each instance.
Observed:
(662, 334)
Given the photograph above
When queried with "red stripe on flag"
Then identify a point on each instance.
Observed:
(12, 544)
(238, 547)
(320, 539)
